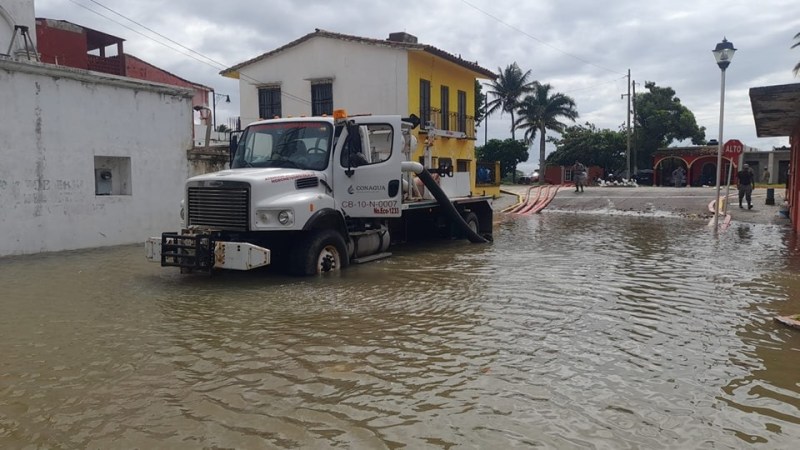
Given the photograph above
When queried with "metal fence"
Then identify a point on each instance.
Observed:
(461, 125)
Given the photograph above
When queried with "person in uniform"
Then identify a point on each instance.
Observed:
(579, 171)
(745, 185)
(678, 175)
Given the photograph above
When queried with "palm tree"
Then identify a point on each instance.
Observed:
(509, 86)
(797, 44)
(542, 111)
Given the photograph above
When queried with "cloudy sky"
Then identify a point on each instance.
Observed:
(584, 48)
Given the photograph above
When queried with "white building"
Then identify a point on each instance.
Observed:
(325, 71)
(86, 159)
(364, 76)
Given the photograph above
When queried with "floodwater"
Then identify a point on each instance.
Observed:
(570, 331)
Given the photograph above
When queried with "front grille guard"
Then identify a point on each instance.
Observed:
(193, 252)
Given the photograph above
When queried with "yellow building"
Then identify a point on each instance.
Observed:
(323, 71)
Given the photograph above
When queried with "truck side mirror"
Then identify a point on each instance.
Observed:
(352, 145)
(413, 120)
(234, 142)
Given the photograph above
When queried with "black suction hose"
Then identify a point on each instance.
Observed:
(449, 209)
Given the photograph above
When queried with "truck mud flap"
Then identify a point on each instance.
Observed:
(193, 252)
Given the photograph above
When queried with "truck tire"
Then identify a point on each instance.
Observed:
(472, 221)
(321, 251)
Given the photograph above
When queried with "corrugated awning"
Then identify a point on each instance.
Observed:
(776, 109)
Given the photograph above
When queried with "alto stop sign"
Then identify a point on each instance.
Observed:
(732, 148)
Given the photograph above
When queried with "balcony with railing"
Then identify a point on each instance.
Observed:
(454, 125)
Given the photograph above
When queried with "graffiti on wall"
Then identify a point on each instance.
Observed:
(42, 190)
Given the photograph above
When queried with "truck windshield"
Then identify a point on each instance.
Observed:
(300, 145)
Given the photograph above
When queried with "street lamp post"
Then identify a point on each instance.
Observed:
(723, 53)
(214, 106)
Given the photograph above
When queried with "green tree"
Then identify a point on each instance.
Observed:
(223, 128)
(797, 44)
(660, 120)
(509, 152)
(544, 111)
(509, 86)
(480, 103)
(592, 146)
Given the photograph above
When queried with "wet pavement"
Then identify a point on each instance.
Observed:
(598, 329)
(659, 201)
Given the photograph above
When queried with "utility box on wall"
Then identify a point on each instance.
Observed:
(102, 181)
(112, 175)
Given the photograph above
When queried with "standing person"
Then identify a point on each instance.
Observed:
(788, 175)
(746, 181)
(765, 176)
(579, 174)
(677, 176)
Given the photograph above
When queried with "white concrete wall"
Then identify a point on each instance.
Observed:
(366, 78)
(216, 137)
(16, 12)
(54, 122)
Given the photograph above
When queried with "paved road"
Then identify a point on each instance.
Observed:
(689, 202)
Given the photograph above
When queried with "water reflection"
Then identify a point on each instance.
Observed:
(771, 349)
(568, 331)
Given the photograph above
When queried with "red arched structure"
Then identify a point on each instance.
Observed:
(700, 163)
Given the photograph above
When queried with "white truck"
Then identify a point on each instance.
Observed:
(314, 194)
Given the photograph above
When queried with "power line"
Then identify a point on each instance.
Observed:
(156, 33)
(138, 32)
(213, 63)
(596, 85)
(539, 40)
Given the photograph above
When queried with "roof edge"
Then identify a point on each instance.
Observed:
(233, 71)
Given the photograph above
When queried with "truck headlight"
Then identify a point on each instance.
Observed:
(272, 218)
(285, 217)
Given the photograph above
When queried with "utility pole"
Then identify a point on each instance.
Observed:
(628, 152)
(214, 106)
(633, 110)
(485, 119)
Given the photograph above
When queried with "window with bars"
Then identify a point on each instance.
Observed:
(462, 111)
(322, 98)
(424, 101)
(445, 108)
(269, 102)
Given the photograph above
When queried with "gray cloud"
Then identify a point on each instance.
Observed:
(581, 47)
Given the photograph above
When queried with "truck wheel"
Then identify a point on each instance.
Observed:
(320, 252)
(472, 222)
